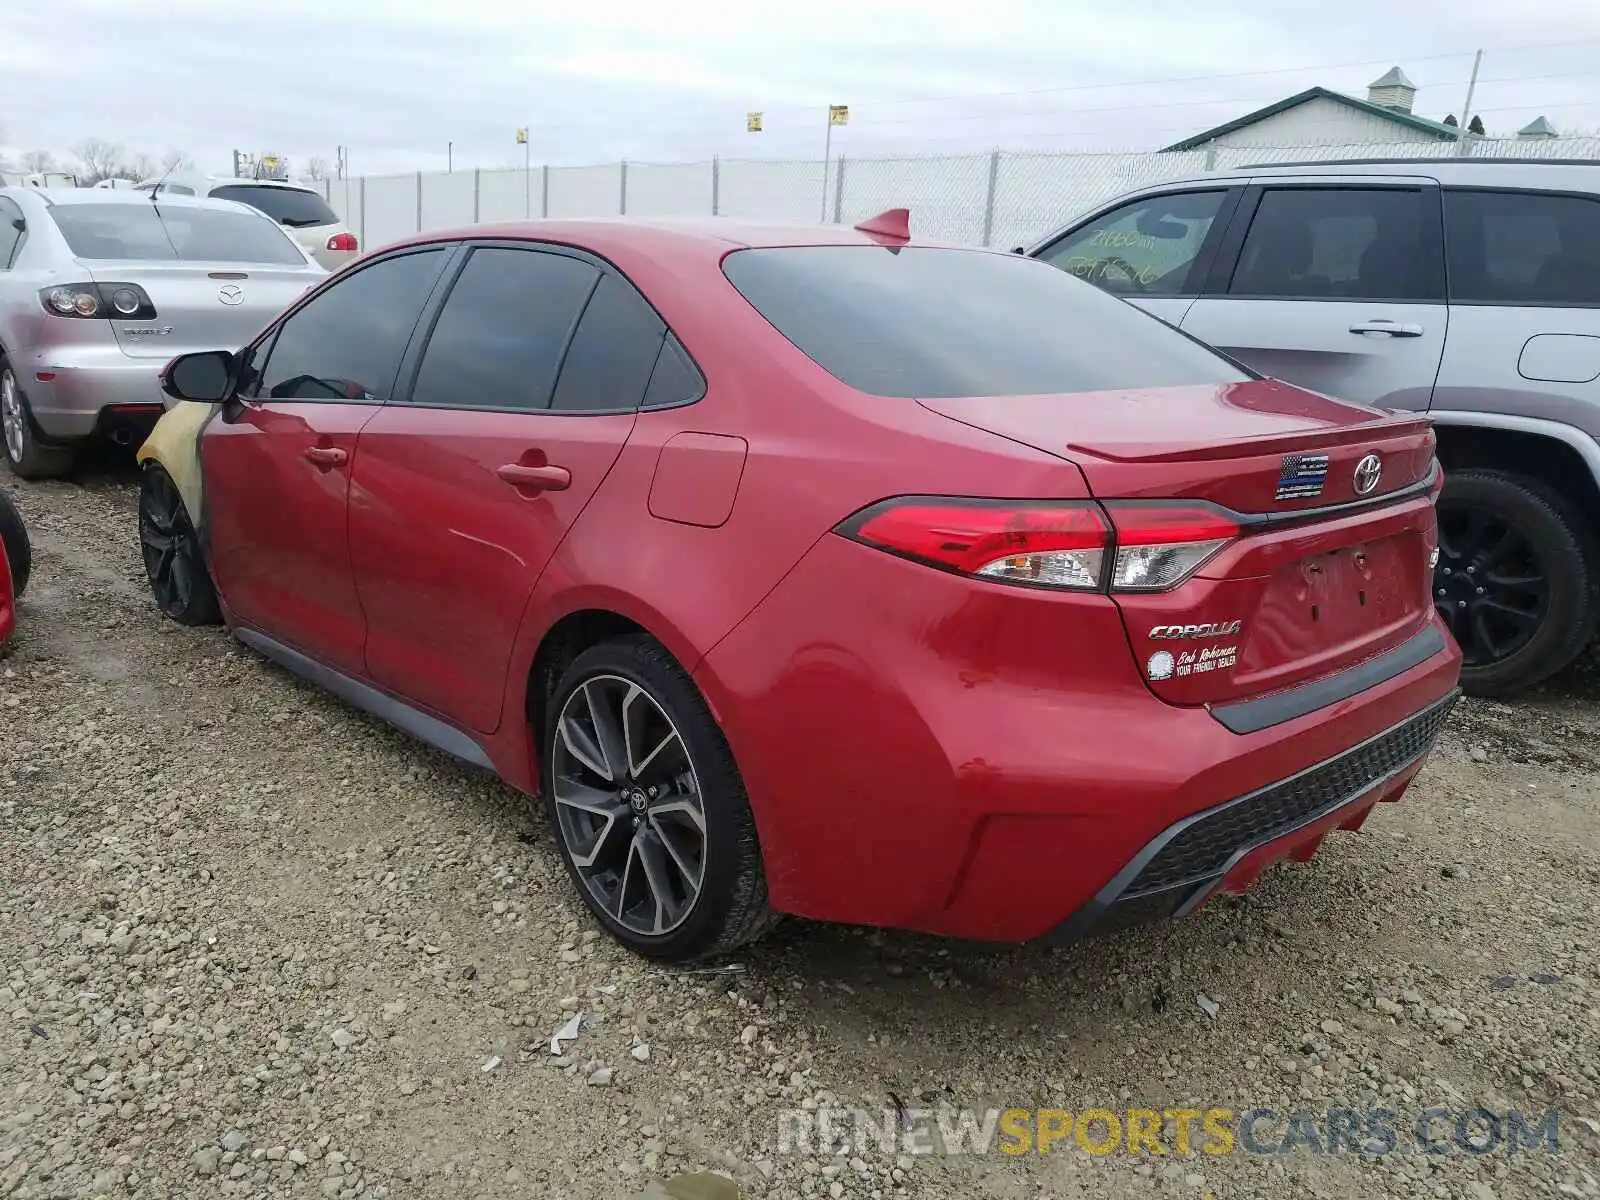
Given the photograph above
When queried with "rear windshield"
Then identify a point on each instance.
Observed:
(287, 206)
(931, 322)
(167, 233)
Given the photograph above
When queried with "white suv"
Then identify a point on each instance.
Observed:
(1466, 288)
(301, 211)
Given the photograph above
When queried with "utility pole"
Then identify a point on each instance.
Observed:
(1466, 109)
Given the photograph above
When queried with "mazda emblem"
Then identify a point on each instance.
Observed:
(1368, 472)
(232, 294)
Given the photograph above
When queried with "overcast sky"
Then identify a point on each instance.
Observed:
(598, 80)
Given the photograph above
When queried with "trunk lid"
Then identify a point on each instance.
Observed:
(201, 306)
(1325, 572)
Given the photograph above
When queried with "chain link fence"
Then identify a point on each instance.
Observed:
(996, 199)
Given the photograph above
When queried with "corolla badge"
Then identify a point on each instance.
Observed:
(232, 294)
(1368, 472)
(1185, 632)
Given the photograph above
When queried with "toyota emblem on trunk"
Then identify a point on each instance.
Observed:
(232, 294)
(1368, 471)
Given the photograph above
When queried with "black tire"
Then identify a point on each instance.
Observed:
(19, 551)
(730, 908)
(174, 562)
(1532, 609)
(24, 454)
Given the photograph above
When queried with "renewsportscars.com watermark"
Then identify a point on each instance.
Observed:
(1366, 1132)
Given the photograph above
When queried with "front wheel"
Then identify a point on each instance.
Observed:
(15, 544)
(1517, 579)
(648, 808)
(173, 561)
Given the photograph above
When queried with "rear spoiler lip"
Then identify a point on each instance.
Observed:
(1391, 426)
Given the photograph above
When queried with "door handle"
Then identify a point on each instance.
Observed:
(326, 457)
(535, 479)
(1380, 325)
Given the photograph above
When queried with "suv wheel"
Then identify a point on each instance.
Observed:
(24, 455)
(648, 807)
(1517, 579)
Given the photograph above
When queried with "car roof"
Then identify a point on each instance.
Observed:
(645, 233)
(89, 195)
(1530, 173)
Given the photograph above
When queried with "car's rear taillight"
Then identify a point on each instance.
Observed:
(1058, 544)
(342, 241)
(111, 301)
(1147, 547)
(1160, 544)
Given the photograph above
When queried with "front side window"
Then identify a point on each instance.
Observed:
(932, 322)
(1522, 248)
(156, 232)
(1339, 244)
(345, 344)
(499, 339)
(1146, 248)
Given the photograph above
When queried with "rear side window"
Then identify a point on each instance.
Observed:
(1522, 248)
(158, 232)
(1339, 244)
(293, 207)
(608, 365)
(346, 342)
(934, 322)
(675, 380)
(499, 338)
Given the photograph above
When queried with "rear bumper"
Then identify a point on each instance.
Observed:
(83, 387)
(929, 752)
(1226, 847)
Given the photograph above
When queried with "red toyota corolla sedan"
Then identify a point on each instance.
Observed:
(821, 571)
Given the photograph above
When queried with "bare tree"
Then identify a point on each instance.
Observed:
(38, 161)
(143, 166)
(317, 169)
(177, 160)
(100, 159)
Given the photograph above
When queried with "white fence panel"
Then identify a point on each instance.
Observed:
(774, 190)
(391, 209)
(947, 196)
(586, 191)
(449, 200)
(669, 189)
(509, 195)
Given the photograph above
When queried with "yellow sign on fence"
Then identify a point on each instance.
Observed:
(752, 122)
(838, 114)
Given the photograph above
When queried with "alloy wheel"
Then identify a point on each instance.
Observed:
(629, 805)
(167, 540)
(11, 415)
(1491, 587)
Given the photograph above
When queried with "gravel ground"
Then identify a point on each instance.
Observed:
(252, 942)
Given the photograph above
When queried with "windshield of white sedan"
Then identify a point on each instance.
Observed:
(166, 234)
(933, 322)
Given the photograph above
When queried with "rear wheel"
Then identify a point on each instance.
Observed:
(648, 807)
(1517, 579)
(18, 550)
(26, 457)
(173, 560)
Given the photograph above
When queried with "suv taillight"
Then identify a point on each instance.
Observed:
(342, 241)
(1145, 547)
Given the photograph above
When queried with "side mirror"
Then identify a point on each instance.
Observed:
(205, 376)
